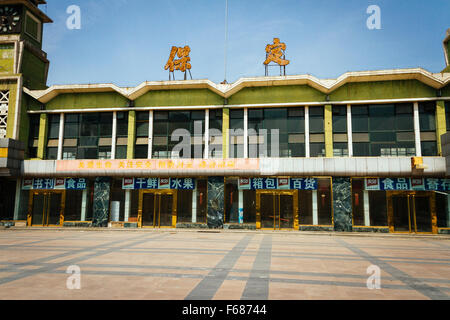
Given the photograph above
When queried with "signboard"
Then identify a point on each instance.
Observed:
(157, 165)
(278, 184)
(54, 184)
(158, 183)
(408, 184)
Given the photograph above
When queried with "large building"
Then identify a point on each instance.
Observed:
(362, 152)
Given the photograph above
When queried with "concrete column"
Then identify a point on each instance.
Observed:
(17, 199)
(206, 153)
(349, 130)
(150, 134)
(84, 204)
(314, 208)
(127, 205)
(366, 209)
(417, 130)
(225, 132)
(328, 129)
(307, 148)
(246, 133)
(131, 134)
(61, 136)
(114, 136)
(194, 204)
(241, 204)
(441, 125)
(42, 142)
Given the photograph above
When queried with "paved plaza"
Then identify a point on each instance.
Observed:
(258, 265)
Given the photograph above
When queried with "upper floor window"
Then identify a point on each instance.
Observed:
(383, 130)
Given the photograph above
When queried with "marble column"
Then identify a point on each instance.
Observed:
(100, 214)
(216, 188)
(342, 204)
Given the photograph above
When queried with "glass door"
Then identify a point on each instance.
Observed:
(277, 209)
(411, 212)
(157, 209)
(46, 208)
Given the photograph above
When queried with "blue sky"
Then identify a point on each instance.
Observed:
(126, 42)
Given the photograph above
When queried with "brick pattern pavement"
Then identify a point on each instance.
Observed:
(173, 265)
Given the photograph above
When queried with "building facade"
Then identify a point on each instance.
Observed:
(359, 153)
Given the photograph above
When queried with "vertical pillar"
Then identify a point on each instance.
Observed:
(216, 188)
(61, 136)
(349, 130)
(114, 136)
(17, 199)
(150, 134)
(241, 206)
(307, 147)
(342, 204)
(194, 203)
(206, 153)
(366, 209)
(127, 205)
(441, 125)
(225, 132)
(131, 134)
(246, 133)
(315, 212)
(42, 136)
(100, 213)
(84, 204)
(417, 129)
(328, 129)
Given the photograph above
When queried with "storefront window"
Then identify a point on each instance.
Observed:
(442, 210)
(378, 208)
(305, 211)
(202, 199)
(324, 200)
(117, 199)
(231, 201)
(184, 206)
(249, 206)
(358, 202)
(74, 201)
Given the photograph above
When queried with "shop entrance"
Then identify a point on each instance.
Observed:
(277, 210)
(157, 209)
(46, 208)
(412, 212)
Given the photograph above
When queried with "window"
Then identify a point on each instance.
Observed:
(52, 136)
(87, 136)
(339, 119)
(427, 119)
(215, 127)
(383, 130)
(447, 114)
(305, 214)
(324, 200)
(236, 133)
(358, 202)
(165, 123)
(142, 126)
(122, 135)
(276, 132)
(231, 201)
(316, 119)
(33, 136)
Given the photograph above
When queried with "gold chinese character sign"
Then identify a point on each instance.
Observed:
(182, 63)
(276, 53)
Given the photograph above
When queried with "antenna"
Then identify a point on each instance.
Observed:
(226, 41)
